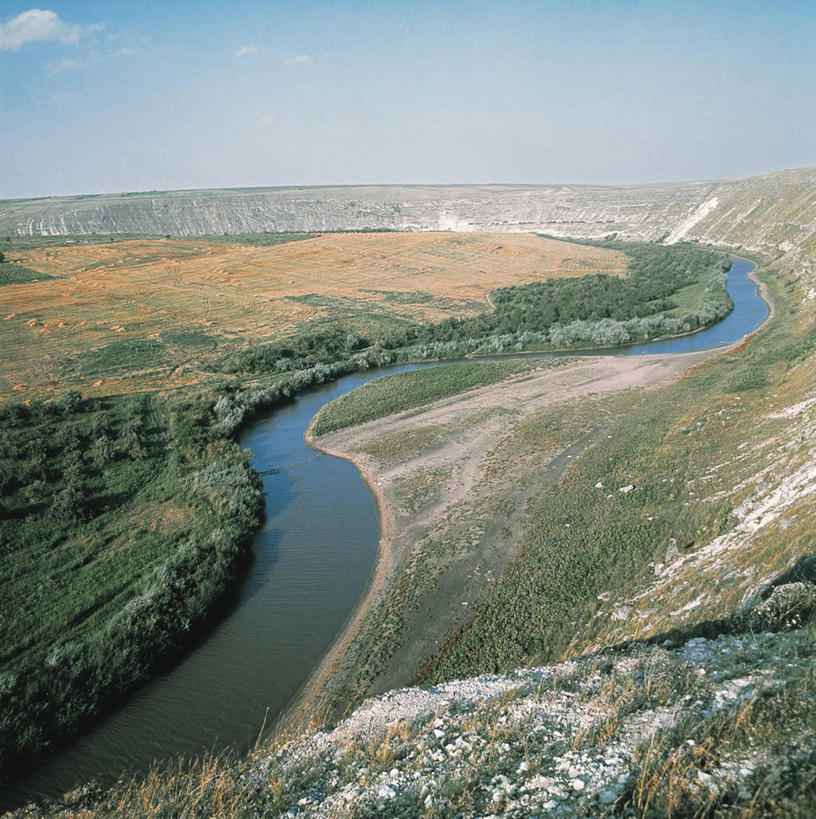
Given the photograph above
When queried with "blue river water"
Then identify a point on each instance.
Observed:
(312, 561)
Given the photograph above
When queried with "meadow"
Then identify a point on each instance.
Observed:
(414, 388)
(145, 313)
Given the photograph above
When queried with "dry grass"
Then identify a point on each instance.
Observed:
(184, 301)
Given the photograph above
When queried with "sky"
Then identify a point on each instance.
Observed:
(155, 95)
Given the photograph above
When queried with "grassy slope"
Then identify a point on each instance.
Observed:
(693, 451)
(407, 390)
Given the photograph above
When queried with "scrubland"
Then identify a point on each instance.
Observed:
(143, 314)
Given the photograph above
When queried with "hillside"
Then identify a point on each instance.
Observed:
(771, 213)
(686, 682)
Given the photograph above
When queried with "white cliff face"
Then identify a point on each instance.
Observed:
(682, 230)
(646, 212)
(771, 213)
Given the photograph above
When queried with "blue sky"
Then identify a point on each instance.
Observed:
(127, 96)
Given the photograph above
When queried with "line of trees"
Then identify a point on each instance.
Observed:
(593, 310)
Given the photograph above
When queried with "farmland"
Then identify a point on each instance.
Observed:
(146, 314)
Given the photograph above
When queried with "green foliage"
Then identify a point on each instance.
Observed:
(122, 521)
(11, 273)
(189, 338)
(406, 390)
(589, 311)
(124, 356)
(581, 542)
(599, 310)
(748, 378)
(265, 239)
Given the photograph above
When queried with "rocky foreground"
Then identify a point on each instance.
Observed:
(585, 737)
(723, 725)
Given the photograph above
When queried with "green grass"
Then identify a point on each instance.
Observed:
(127, 355)
(411, 389)
(396, 447)
(581, 542)
(688, 299)
(122, 521)
(256, 239)
(11, 273)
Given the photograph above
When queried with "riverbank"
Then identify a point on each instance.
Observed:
(461, 473)
(273, 614)
(332, 688)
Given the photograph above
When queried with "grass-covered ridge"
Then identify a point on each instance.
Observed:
(410, 389)
(583, 738)
(691, 451)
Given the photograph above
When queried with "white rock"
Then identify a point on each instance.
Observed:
(577, 784)
(627, 489)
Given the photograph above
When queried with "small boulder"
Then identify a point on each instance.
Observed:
(788, 606)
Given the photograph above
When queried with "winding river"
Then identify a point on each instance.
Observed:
(312, 560)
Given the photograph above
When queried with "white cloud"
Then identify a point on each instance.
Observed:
(244, 50)
(40, 25)
(299, 58)
(70, 64)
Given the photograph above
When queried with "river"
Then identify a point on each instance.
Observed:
(312, 560)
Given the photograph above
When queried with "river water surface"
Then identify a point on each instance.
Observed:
(312, 560)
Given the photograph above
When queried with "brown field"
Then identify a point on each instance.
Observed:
(144, 314)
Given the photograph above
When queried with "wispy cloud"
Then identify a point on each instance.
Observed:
(298, 58)
(244, 50)
(87, 61)
(70, 64)
(40, 26)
